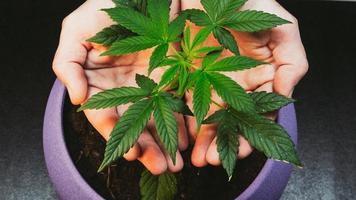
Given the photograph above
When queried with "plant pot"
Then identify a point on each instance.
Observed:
(70, 185)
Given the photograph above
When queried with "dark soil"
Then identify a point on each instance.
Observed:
(121, 180)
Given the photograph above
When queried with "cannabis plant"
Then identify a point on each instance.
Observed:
(144, 24)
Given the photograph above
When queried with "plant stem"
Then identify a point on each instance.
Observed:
(216, 103)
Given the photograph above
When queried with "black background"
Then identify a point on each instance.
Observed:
(326, 106)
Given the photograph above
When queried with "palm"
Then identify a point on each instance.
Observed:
(79, 65)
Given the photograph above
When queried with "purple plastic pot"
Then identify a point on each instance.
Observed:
(70, 185)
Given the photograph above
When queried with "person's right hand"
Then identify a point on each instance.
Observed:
(84, 72)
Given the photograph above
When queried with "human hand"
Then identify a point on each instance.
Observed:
(280, 46)
(84, 72)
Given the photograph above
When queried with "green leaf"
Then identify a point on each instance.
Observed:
(231, 92)
(201, 98)
(208, 50)
(159, 13)
(157, 56)
(267, 136)
(201, 36)
(234, 63)
(111, 34)
(227, 7)
(176, 27)
(215, 117)
(166, 126)
(186, 37)
(182, 80)
(227, 142)
(193, 77)
(131, 45)
(267, 102)
(177, 105)
(127, 131)
(169, 75)
(114, 97)
(168, 62)
(134, 21)
(210, 7)
(145, 83)
(162, 187)
(226, 39)
(210, 58)
(253, 21)
(198, 17)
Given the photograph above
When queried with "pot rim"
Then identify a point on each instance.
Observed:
(69, 184)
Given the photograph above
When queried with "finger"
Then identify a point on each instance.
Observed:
(202, 143)
(212, 155)
(182, 133)
(287, 77)
(179, 162)
(152, 157)
(68, 62)
(104, 121)
(255, 77)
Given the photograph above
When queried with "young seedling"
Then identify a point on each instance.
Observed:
(144, 24)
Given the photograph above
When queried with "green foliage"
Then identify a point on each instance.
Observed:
(162, 187)
(201, 98)
(231, 92)
(197, 69)
(166, 125)
(267, 102)
(110, 35)
(253, 21)
(227, 142)
(127, 130)
(267, 136)
(114, 97)
(145, 82)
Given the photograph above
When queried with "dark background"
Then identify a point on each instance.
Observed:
(326, 106)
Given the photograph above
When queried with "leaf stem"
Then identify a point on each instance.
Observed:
(216, 103)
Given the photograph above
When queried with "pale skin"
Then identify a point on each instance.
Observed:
(78, 65)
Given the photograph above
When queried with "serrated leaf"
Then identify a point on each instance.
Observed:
(253, 21)
(210, 7)
(127, 131)
(114, 97)
(215, 117)
(208, 50)
(267, 102)
(162, 187)
(210, 58)
(169, 75)
(234, 63)
(201, 98)
(226, 39)
(131, 45)
(177, 105)
(225, 8)
(200, 37)
(176, 27)
(227, 142)
(186, 37)
(166, 126)
(159, 13)
(168, 62)
(182, 81)
(231, 92)
(198, 17)
(134, 21)
(145, 83)
(193, 77)
(267, 136)
(111, 34)
(157, 56)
